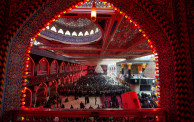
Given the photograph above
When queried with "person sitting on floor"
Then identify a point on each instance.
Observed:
(66, 100)
(90, 107)
(62, 106)
(98, 107)
(71, 107)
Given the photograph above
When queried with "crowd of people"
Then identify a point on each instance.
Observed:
(95, 85)
(147, 100)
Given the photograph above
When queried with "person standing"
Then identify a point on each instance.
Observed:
(85, 99)
(60, 100)
(95, 100)
(57, 102)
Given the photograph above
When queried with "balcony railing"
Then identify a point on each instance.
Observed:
(87, 115)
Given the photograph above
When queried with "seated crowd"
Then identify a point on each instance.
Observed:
(92, 85)
(147, 100)
(95, 85)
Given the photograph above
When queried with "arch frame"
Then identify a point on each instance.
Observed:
(38, 88)
(33, 65)
(171, 38)
(46, 65)
(31, 95)
(56, 67)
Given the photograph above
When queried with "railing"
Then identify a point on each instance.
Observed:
(87, 115)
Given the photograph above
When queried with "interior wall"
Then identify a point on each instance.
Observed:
(135, 88)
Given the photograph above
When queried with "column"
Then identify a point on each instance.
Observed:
(139, 68)
(143, 66)
(129, 69)
(122, 66)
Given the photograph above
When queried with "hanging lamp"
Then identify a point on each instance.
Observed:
(93, 12)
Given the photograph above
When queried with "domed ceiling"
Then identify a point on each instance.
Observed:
(72, 31)
(76, 37)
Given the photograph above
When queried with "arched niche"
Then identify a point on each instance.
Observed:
(30, 68)
(28, 98)
(53, 87)
(63, 67)
(62, 80)
(78, 67)
(81, 67)
(72, 67)
(43, 67)
(68, 67)
(68, 80)
(54, 67)
(41, 93)
(74, 78)
(71, 79)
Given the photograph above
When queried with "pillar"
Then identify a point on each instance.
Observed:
(139, 68)
(129, 69)
(122, 66)
(143, 66)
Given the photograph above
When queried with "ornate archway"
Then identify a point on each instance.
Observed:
(43, 67)
(41, 93)
(54, 67)
(156, 26)
(53, 88)
(28, 98)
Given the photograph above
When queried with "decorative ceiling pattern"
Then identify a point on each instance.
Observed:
(98, 3)
(75, 22)
(143, 46)
(124, 34)
(112, 52)
(133, 53)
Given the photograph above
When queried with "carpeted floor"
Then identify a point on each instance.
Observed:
(76, 103)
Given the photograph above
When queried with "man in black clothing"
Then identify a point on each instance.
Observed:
(71, 107)
(98, 107)
(95, 100)
(81, 105)
(62, 106)
(85, 99)
(90, 107)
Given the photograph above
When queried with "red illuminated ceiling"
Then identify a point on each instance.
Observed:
(120, 39)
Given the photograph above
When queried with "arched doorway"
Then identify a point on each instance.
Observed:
(41, 93)
(43, 67)
(62, 80)
(68, 67)
(54, 67)
(53, 87)
(67, 80)
(30, 68)
(28, 98)
(63, 67)
(149, 18)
